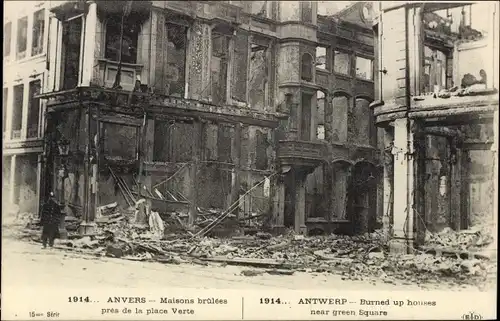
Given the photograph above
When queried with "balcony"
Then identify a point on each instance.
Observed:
(224, 12)
(184, 7)
(135, 102)
(301, 153)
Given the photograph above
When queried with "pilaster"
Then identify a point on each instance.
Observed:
(388, 180)
(405, 170)
(90, 43)
(278, 203)
(300, 203)
(13, 174)
(200, 50)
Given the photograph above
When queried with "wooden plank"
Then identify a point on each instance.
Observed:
(246, 261)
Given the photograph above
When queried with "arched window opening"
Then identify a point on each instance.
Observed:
(361, 203)
(320, 114)
(341, 104)
(321, 58)
(316, 194)
(359, 127)
(307, 64)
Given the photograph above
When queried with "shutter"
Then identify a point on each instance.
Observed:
(240, 63)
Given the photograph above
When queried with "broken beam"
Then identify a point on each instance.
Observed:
(443, 131)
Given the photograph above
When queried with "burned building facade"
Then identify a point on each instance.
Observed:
(437, 103)
(248, 107)
(25, 50)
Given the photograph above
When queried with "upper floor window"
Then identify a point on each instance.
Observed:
(38, 31)
(364, 68)
(33, 108)
(320, 115)
(321, 58)
(17, 111)
(22, 37)
(239, 77)
(307, 13)
(176, 59)
(259, 8)
(219, 66)
(7, 32)
(128, 43)
(341, 62)
(259, 76)
(306, 67)
(434, 77)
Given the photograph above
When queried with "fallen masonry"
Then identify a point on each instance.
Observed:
(361, 257)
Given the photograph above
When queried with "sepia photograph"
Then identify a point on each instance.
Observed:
(223, 155)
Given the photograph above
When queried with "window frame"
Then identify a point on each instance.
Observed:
(41, 36)
(311, 67)
(262, 41)
(7, 44)
(16, 106)
(106, 34)
(185, 76)
(22, 54)
(328, 67)
(371, 59)
(227, 56)
(31, 99)
(349, 67)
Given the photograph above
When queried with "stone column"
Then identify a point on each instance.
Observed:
(13, 174)
(236, 172)
(328, 122)
(61, 178)
(404, 186)
(193, 211)
(278, 203)
(52, 52)
(300, 203)
(388, 178)
(148, 152)
(90, 43)
(455, 184)
(340, 173)
(38, 182)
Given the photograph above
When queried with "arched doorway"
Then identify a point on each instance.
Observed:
(361, 194)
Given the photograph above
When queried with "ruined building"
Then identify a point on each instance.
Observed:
(437, 103)
(25, 46)
(253, 106)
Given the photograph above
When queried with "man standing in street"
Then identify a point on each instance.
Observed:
(51, 216)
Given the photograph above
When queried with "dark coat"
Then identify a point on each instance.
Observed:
(51, 213)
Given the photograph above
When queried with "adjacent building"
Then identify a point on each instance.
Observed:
(437, 103)
(25, 50)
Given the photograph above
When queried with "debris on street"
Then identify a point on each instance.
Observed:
(448, 256)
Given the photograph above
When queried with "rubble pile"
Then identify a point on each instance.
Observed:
(362, 257)
(475, 238)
